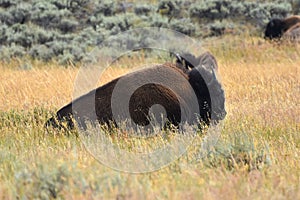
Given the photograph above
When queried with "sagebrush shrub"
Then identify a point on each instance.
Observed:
(59, 24)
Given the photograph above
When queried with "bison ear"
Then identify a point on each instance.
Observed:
(208, 61)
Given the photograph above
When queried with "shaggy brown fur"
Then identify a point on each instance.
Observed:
(277, 28)
(96, 105)
(293, 33)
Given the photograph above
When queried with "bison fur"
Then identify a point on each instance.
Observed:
(278, 28)
(199, 73)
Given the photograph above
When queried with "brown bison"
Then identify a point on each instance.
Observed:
(283, 28)
(170, 86)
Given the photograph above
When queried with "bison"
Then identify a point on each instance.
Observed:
(190, 75)
(283, 28)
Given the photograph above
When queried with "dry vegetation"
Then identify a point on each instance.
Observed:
(257, 156)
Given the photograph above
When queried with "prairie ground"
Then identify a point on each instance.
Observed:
(256, 157)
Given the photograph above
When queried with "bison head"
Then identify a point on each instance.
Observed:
(203, 76)
(274, 29)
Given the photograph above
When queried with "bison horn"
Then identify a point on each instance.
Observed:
(178, 57)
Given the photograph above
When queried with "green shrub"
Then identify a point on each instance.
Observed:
(41, 183)
(144, 9)
(8, 3)
(183, 26)
(21, 13)
(296, 7)
(105, 7)
(211, 10)
(6, 17)
(158, 21)
(12, 51)
(49, 17)
(217, 29)
(43, 36)
(3, 33)
(89, 37)
(41, 52)
(21, 34)
(169, 8)
(75, 5)
(67, 25)
(116, 24)
(35, 24)
(60, 4)
(240, 151)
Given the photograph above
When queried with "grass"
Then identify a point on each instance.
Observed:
(257, 156)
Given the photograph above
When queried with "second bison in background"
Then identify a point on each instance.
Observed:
(288, 28)
(191, 76)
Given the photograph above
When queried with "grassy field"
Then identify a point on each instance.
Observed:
(257, 156)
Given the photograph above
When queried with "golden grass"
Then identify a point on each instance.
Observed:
(261, 82)
(47, 84)
(41, 86)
